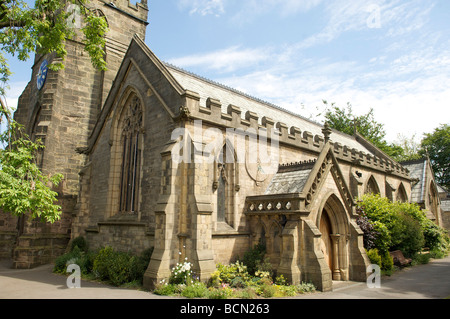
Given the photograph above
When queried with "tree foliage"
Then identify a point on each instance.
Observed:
(42, 29)
(398, 225)
(437, 145)
(23, 187)
(344, 120)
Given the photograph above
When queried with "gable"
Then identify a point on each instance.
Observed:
(141, 69)
(310, 178)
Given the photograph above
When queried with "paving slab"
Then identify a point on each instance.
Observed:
(41, 283)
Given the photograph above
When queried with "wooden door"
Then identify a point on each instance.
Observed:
(326, 243)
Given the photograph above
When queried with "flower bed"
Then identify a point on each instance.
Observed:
(228, 281)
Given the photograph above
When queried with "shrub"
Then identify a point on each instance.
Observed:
(401, 226)
(305, 288)
(264, 269)
(421, 259)
(233, 274)
(196, 290)
(108, 265)
(253, 257)
(436, 239)
(223, 292)
(286, 291)
(408, 236)
(139, 265)
(119, 267)
(247, 293)
(63, 261)
(266, 290)
(374, 257)
(104, 258)
(280, 280)
(164, 290)
(119, 271)
(387, 263)
(238, 282)
(79, 242)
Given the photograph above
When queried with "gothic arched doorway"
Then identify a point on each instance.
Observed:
(333, 225)
(326, 242)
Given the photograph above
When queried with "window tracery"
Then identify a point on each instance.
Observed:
(131, 136)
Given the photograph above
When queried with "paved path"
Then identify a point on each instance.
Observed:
(41, 283)
(430, 281)
(418, 282)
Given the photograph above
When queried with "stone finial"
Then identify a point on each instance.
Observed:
(326, 132)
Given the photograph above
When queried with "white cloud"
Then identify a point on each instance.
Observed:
(405, 81)
(253, 8)
(410, 95)
(203, 7)
(226, 60)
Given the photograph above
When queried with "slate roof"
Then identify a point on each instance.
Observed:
(226, 95)
(288, 182)
(416, 170)
(441, 189)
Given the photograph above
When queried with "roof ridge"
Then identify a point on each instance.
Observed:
(229, 88)
(413, 161)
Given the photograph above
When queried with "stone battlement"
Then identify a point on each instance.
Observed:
(293, 136)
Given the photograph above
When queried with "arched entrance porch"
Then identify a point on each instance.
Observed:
(333, 222)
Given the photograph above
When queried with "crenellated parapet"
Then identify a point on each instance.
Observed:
(233, 116)
(139, 9)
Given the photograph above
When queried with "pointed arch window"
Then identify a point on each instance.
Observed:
(401, 196)
(372, 186)
(131, 136)
(226, 184)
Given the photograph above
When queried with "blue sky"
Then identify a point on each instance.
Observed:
(392, 56)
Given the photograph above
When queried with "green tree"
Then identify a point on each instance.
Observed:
(42, 29)
(410, 148)
(437, 145)
(23, 187)
(344, 120)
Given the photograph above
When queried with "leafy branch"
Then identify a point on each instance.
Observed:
(24, 189)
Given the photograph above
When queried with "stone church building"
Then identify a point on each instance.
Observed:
(155, 156)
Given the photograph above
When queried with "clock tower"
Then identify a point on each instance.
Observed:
(61, 108)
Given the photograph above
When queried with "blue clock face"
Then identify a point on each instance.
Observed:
(42, 74)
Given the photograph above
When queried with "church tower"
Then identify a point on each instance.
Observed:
(61, 108)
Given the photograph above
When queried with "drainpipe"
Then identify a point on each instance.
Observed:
(423, 180)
